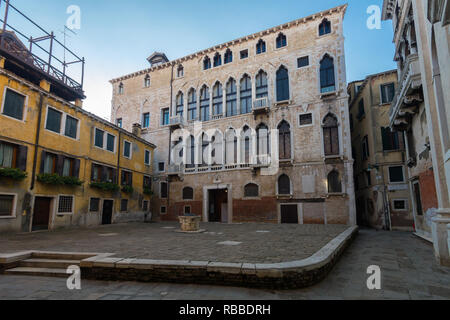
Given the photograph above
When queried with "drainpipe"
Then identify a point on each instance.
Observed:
(170, 137)
(36, 144)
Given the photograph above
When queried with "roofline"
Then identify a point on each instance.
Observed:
(341, 8)
(366, 80)
(73, 106)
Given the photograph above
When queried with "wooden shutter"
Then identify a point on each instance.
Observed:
(114, 177)
(76, 168)
(59, 164)
(22, 158)
(43, 155)
(122, 177)
(130, 179)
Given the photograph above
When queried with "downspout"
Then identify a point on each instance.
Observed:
(170, 138)
(36, 144)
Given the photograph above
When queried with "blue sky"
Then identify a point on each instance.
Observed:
(116, 37)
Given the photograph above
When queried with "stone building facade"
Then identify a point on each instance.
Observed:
(421, 110)
(381, 178)
(252, 130)
(61, 166)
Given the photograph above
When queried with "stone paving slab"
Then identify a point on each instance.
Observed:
(159, 241)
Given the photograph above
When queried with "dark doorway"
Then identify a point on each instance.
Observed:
(218, 204)
(107, 211)
(289, 213)
(41, 214)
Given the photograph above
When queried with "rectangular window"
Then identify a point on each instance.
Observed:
(244, 54)
(71, 127)
(110, 142)
(127, 178)
(53, 120)
(146, 120)
(6, 205)
(127, 149)
(303, 62)
(391, 140)
(306, 119)
(14, 104)
(163, 210)
(361, 111)
(396, 174)
(68, 166)
(94, 205)
(161, 167)
(8, 155)
(65, 204)
(165, 116)
(163, 190)
(400, 205)
(119, 122)
(50, 163)
(387, 93)
(147, 157)
(365, 148)
(124, 205)
(99, 134)
(147, 182)
(187, 209)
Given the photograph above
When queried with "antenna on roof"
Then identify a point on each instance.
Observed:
(65, 36)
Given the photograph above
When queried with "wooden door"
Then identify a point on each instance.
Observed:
(107, 211)
(41, 214)
(289, 213)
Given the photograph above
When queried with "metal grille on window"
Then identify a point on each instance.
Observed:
(65, 204)
(94, 205)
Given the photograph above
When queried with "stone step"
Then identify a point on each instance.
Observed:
(61, 255)
(40, 272)
(48, 263)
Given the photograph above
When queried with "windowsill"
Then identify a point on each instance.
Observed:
(339, 156)
(64, 214)
(283, 102)
(8, 217)
(12, 118)
(285, 196)
(336, 194)
(251, 198)
(330, 94)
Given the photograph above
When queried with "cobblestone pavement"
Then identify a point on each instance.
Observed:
(407, 264)
(258, 243)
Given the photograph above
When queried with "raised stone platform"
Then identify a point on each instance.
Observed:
(283, 275)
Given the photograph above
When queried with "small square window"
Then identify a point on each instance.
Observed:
(400, 205)
(123, 205)
(187, 209)
(163, 210)
(306, 119)
(6, 205)
(53, 120)
(244, 54)
(65, 204)
(303, 62)
(127, 149)
(119, 122)
(94, 205)
(396, 174)
(14, 104)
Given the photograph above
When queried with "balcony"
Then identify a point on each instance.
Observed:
(261, 106)
(408, 96)
(262, 161)
(176, 122)
(174, 170)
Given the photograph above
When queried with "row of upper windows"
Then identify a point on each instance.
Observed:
(261, 47)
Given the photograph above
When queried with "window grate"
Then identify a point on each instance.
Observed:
(65, 204)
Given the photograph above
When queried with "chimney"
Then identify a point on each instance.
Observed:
(137, 130)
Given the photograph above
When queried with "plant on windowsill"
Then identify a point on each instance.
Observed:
(148, 191)
(127, 189)
(105, 186)
(56, 179)
(12, 173)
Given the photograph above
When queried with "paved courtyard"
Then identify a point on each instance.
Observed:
(251, 243)
(407, 264)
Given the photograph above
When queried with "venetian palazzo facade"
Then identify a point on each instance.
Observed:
(420, 110)
(61, 166)
(381, 177)
(252, 130)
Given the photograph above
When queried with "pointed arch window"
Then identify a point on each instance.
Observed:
(217, 60)
(334, 182)
(330, 136)
(260, 47)
(180, 104)
(327, 79)
(206, 63)
(147, 81)
(284, 185)
(228, 56)
(231, 148)
(284, 140)
(204, 104)
(263, 149)
(246, 94)
(192, 105)
(246, 145)
(191, 153)
(282, 84)
(324, 27)
(205, 145)
(217, 99)
(231, 98)
(261, 85)
(281, 41)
